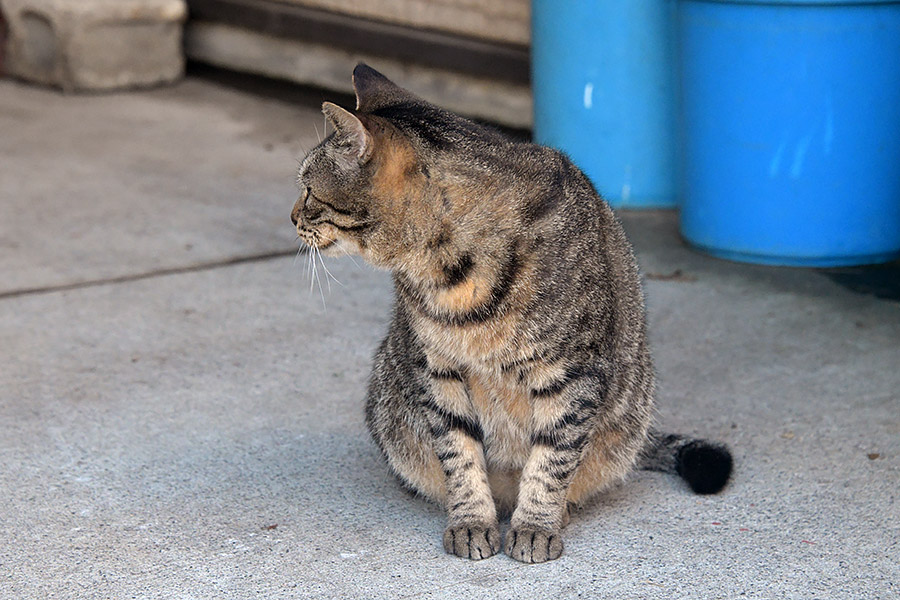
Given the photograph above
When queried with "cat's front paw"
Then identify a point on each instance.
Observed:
(475, 541)
(533, 545)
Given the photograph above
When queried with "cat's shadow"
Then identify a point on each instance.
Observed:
(338, 486)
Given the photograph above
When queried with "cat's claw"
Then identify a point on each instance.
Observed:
(474, 541)
(533, 545)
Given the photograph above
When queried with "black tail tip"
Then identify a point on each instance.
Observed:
(706, 466)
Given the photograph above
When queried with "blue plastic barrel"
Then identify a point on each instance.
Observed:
(791, 130)
(604, 93)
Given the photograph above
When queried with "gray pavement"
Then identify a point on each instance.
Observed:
(181, 417)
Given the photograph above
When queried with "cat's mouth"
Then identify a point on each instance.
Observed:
(315, 240)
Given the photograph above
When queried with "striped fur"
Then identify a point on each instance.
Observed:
(515, 376)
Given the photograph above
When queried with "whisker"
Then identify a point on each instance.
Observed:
(317, 133)
(329, 274)
(319, 281)
(327, 281)
(309, 270)
(350, 256)
(306, 267)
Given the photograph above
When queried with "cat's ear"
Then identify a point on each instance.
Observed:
(351, 129)
(374, 90)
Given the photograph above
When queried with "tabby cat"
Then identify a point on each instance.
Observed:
(515, 377)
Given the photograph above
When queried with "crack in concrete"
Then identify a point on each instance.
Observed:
(195, 268)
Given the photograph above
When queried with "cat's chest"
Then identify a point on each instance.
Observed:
(501, 404)
(480, 346)
(504, 412)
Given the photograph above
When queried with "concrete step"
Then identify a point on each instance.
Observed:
(94, 45)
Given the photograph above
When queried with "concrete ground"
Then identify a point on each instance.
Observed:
(181, 417)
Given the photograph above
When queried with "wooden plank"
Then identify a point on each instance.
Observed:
(427, 48)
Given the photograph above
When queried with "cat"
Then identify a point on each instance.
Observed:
(515, 377)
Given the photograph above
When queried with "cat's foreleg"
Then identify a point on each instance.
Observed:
(472, 530)
(563, 418)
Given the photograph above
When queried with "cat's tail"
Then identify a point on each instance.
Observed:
(705, 465)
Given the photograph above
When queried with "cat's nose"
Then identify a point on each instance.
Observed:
(295, 212)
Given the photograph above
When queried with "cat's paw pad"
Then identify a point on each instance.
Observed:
(475, 541)
(533, 545)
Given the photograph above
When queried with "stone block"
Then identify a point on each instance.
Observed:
(95, 45)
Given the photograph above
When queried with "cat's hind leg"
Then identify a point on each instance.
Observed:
(401, 431)
(608, 458)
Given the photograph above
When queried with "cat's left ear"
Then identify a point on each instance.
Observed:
(352, 129)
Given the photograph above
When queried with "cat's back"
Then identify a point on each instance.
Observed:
(543, 254)
(587, 279)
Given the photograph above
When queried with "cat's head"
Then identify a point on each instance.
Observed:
(361, 187)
